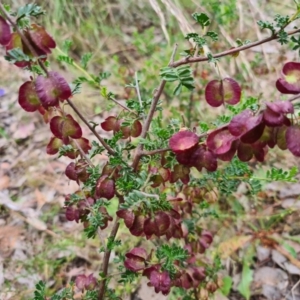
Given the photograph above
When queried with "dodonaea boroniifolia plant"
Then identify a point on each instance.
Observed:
(153, 164)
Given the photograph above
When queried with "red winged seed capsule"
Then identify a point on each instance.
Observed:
(71, 171)
(5, 32)
(183, 141)
(161, 281)
(157, 225)
(136, 129)
(64, 127)
(204, 158)
(135, 259)
(218, 92)
(137, 228)
(41, 38)
(247, 127)
(109, 123)
(127, 215)
(54, 145)
(52, 89)
(105, 188)
(220, 141)
(274, 114)
(289, 83)
(293, 139)
(28, 98)
(80, 281)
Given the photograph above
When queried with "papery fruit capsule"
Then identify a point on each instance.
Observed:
(105, 188)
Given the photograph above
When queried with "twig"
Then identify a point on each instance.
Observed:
(91, 128)
(294, 98)
(138, 88)
(148, 122)
(107, 253)
(123, 106)
(149, 118)
(173, 54)
(153, 152)
(82, 153)
(188, 60)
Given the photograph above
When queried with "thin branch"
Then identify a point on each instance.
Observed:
(147, 123)
(82, 153)
(107, 253)
(149, 118)
(188, 60)
(173, 54)
(91, 128)
(153, 152)
(138, 88)
(294, 98)
(123, 106)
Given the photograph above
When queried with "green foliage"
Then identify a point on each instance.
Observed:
(66, 59)
(66, 293)
(182, 74)
(227, 284)
(65, 149)
(40, 291)
(95, 220)
(25, 12)
(149, 202)
(128, 277)
(280, 22)
(16, 55)
(228, 179)
(296, 42)
(202, 19)
(279, 175)
(247, 277)
(168, 255)
(85, 59)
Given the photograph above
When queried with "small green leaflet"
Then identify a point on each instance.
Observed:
(201, 19)
(182, 74)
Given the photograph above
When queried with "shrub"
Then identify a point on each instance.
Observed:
(163, 174)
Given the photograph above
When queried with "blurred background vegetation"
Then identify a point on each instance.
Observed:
(128, 36)
(125, 36)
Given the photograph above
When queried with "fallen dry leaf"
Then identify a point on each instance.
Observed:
(4, 182)
(231, 245)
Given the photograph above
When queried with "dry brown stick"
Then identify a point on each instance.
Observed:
(188, 60)
(106, 260)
